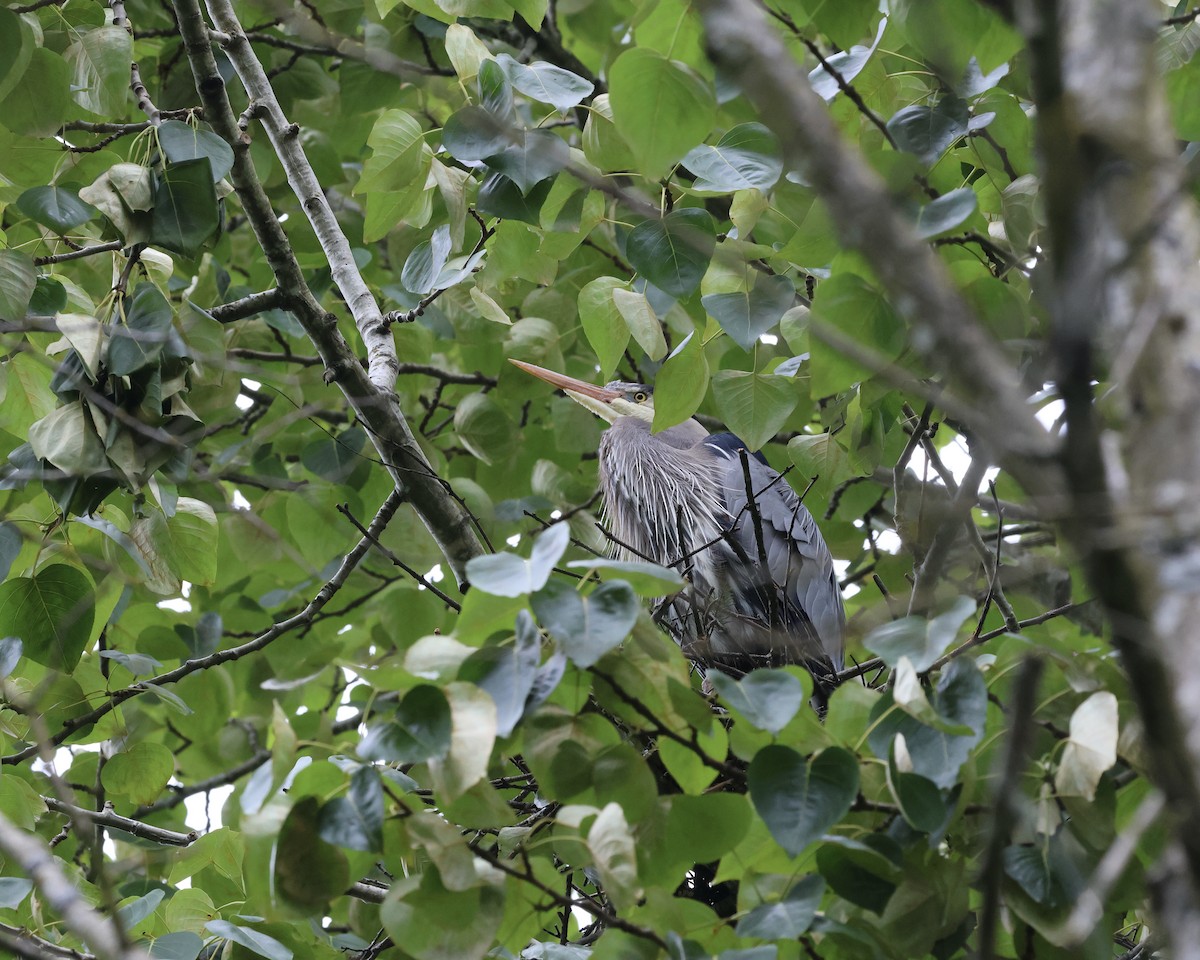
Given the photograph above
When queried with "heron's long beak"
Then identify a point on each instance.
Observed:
(597, 399)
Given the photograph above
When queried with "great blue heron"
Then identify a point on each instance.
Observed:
(762, 588)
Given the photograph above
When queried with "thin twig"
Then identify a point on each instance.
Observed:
(1005, 804)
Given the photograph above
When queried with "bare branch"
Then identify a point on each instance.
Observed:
(285, 138)
(110, 247)
(1005, 804)
(107, 818)
(248, 306)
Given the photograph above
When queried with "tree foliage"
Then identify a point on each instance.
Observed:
(263, 268)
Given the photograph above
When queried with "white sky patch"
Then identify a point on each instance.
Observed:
(513, 540)
(239, 501)
(204, 809)
(345, 709)
(283, 217)
(957, 459)
(1048, 414)
(242, 402)
(769, 339)
(555, 514)
(178, 604)
(888, 541)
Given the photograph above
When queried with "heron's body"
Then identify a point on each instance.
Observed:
(680, 498)
(762, 590)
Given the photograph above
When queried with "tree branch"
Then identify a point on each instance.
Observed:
(378, 410)
(944, 329)
(106, 818)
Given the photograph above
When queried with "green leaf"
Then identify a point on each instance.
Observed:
(642, 321)
(768, 699)
(799, 801)
(508, 575)
(1029, 867)
(531, 157)
(928, 132)
(473, 725)
(472, 133)
(131, 914)
(355, 821)
(477, 911)
(603, 146)
(681, 383)
(747, 156)
(17, 46)
(425, 263)
(500, 197)
(18, 278)
(646, 579)
(13, 891)
(846, 65)
(51, 613)
(307, 868)
(139, 773)
(41, 101)
(546, 83)
(252, 940)
(184, 945)
(68, 439)
(419, 732)
(181, 142)
(10, 655)
(946, 212)
(139, 664)
(849, 303)
(747, 315)
(586, 627)
(788, 918)
(507, 672)
(603, 324)
(185, 215)
(396, 141)
(55, 207)
(960, 700)
(921, 640)
(660, 107)
(673, 253)
(100, 60)
(615, 857)
(1091, 748)
(484, 428)
(864, 872)
(185, 544)
(753, 405)
(919, 799)
(707, 827)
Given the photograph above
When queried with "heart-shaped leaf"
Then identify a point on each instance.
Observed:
(51, 613)
(673, 253)
(588, 626)
(800, 800)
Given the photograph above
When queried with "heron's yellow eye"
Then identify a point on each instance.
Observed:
(640, 397)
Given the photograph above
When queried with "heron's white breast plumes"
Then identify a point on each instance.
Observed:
(665, 508)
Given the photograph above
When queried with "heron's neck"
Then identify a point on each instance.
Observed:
(660, 490)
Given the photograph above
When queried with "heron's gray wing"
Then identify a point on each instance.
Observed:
(791, 586)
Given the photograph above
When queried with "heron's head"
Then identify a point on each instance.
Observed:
(609, 402)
